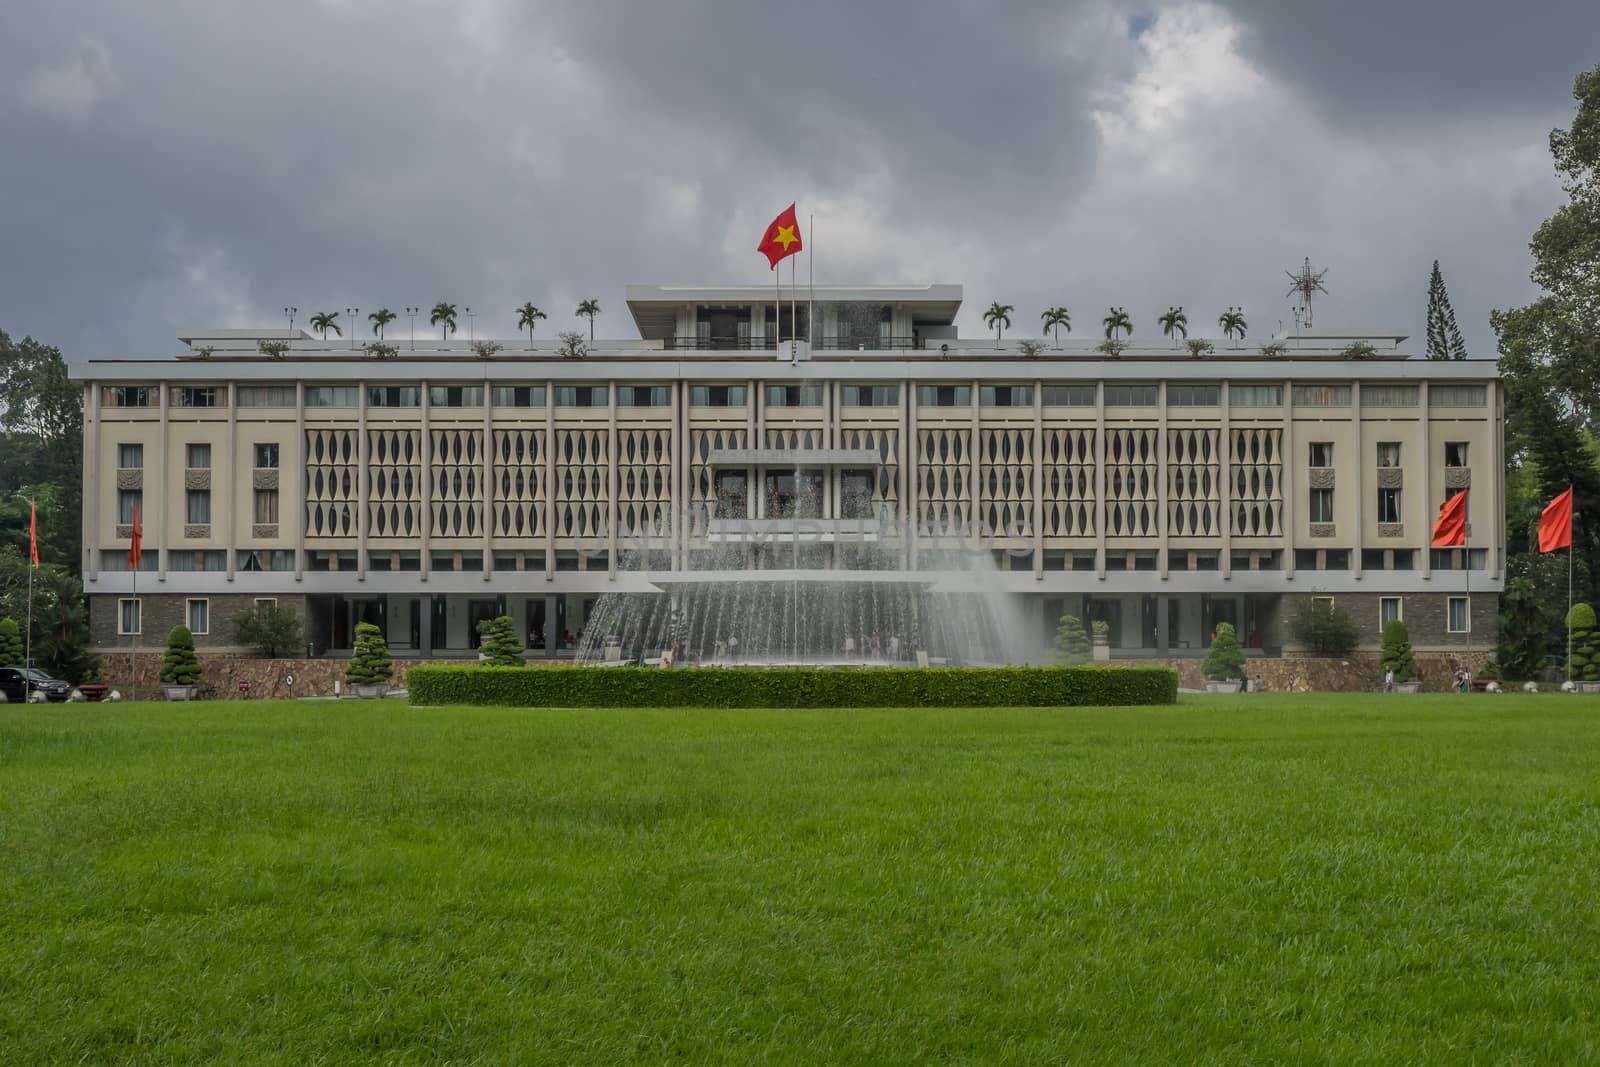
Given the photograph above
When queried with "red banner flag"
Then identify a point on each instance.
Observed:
(33, 531)
(1555, 523)
(133, 549)
(782, 238)
(1450, 530)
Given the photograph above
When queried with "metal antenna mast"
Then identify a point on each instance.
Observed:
(1304, 282)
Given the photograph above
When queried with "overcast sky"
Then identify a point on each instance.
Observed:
(206, 162)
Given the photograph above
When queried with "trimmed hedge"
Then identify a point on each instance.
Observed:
(799, 687)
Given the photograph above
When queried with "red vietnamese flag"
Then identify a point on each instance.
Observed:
(782, 238)
(33, 531)
(1555, 523)
(1450, 530)
(133, 549)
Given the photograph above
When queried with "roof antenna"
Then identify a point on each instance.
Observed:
(1304, 282)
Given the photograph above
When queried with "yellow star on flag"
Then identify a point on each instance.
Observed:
(785, 237)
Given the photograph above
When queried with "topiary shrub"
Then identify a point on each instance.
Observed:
(1324, 629)
(11, 651)
(180, 666)
(1072, 644)
(1585, 664)
(501, 647)
(1224, 660)
(1396, 655)
(369, 663)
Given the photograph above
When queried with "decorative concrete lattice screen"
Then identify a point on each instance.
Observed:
(802, 438)
(1068, 482)
(702, 484)
(581, 492)
(394, 483)
(644, 482)
(330, 483)
(457, 473)
(520, 494)
(1257, 462)
(1131, 490)
(1007, 482)
(944, 471)
(1194, 483)
(885, 441)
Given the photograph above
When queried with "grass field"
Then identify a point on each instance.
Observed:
(1270, 878)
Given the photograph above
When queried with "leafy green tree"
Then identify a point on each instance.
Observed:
(41, 438)
(379, 319)
(1585, 664)
(10, 643)
(179, 665)
(1358, 350)
(1444, 338)
(369, 660)
(1224, 659)
(998, 318)
(443, 316)
(500, 647)
(1199, 347)
(589, 308)
(323, 321)
(527, 316)
(271, 630)
(1117, 320)
(1323, 627)
(1072, 643)
(1174, 321)
(1396, 654)
(1053, 319)
(1232, 324)
(1526, 625)
(61, 627)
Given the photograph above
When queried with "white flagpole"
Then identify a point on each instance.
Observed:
(1569, 606)
(811, 281)
(1466, 550)
(27, 654)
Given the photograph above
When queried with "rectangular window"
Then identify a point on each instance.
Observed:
(1460, 618)
(455, 396)
(183, 559)
(1130, 395)
(644, 396)
(393, 396)
(1336, 559)
(265, 396)
(1321, 454)
(1389, 453)
(197, 616)
(194, 396)
(129, 500)
(1244, 395)
(1372, 559)
(1388, 610)
(732, 489)
(1404, 559)
(125, 396)
(582, 396)
(266, 509)
(863, 395)
(1325, 603)
(803, 395)
(944, 396)
(128, 616)
(266, 453)
(197, 457)
(1005, 396)
(116, 560)
(264, 604)
(331, 396)
(708, 395)
(1457, 396)
(130, 457)
(197, 510)
(1322, 505)
(1388, 505)
(1069, 396)
(266, 559)
(1322, 396)
(1455, 454)
(1388, 396)
(519, 396)
(1193, 396)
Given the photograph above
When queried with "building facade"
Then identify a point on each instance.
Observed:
(450, 481)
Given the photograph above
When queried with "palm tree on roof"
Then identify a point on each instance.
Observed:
(1055, 318)
(1232, 323)
(591, 308)
(325, 321)
(527, 315)
(379, 319)
(1175, 322)
(1117, 320)
(444, 317)
(998, 317)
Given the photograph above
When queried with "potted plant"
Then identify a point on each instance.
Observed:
(1072, 644)
(370, 666)
(1224, 662)
(501, 647)
(180, 667)
(1102, 640)
(1397, 657)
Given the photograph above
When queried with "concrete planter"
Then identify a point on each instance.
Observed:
(1408, 687)
(1100, 648)
(613, 651)
(369, 692)
(1231, 686)
(1587, 687)
(177, 692)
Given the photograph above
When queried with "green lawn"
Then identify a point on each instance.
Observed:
(1271, 878)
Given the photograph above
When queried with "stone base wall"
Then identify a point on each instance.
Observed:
(268, 678)
(1358, 672)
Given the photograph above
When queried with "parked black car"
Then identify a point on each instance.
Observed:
(18, 682)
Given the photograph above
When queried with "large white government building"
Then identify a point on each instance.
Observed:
(449, 483)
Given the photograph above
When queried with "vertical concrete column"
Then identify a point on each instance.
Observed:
(1362, 479)
(758, 439)
(680, 464)
(552, 633)
(1038, 481)
(913, 468)
(1496, 473)
(975, 464)
(233, 500)
(1286, 483)
(93, 462)
(1163, 612)
(425, 467)
(1161, 482)
(1100, 479)
(166, 481)
(425, 631)
(1225, 457)
(361, 483)
(1426, 475)
(488, 480)
(903, 479)
(549, 486)
(613, 483)
(299, 482)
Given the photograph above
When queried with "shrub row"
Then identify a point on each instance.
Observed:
(735, 687)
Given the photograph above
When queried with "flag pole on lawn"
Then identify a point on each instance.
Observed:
(1555, 531)
(33, 552)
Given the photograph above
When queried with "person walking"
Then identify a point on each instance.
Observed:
(1388, 680)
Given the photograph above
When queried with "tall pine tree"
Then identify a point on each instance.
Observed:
(1444, 338)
